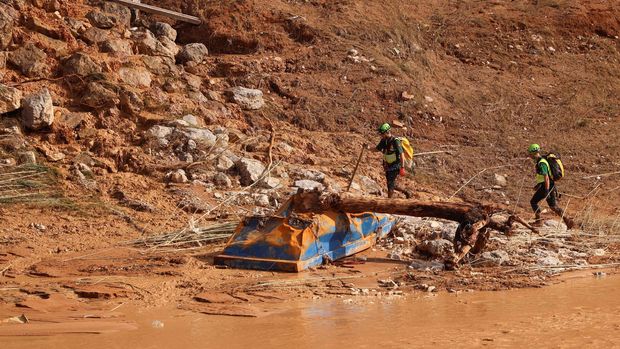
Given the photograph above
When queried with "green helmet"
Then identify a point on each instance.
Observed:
(534, 148)
(384, 128)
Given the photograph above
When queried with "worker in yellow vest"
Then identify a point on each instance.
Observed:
(393, 159)
(545, 188)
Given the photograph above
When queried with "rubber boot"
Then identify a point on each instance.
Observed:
(537, 220)
(570, 223)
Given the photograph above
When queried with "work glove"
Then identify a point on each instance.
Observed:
(402, 171)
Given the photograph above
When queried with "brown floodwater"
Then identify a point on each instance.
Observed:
(581, 312)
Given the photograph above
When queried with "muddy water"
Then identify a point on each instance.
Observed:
(581, 312)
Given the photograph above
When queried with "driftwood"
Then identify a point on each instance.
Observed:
(474, 218)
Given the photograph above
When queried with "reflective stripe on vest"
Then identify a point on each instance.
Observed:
(540, 178)
(390, 158)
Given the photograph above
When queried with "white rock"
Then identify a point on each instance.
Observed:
(38, 110)
(177, 176)
(246, 98)
(306, 184)
(250, 170)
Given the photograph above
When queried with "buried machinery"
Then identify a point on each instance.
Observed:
(312, 228)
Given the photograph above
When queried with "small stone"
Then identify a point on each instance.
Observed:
(271, 183)
(250, 170)
(224, 163)
(429, 99)
(262, 200)
(27, 158)
(407, 96)
(436, 248)
(501, 180)
(430, 289)
(309, 185)
(38, 110)
(177, 176)
(10, 99)
(549, 261)
(598, 252)
(222, 180)
(246, 98)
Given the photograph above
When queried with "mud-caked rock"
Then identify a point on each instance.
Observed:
(148, 44)
(131, 102)
(250, 170)
(38, 110)
(27, 158)
(117, 47)
(246, 98)
(136, 77)
(100, 95)
(369, 186)
(313, 175)
(80, 64)
(436, 248)
(201, 136)
(6, 28)
(94, 35)
(224, 163)
(10, 99)
(222, 180)
(493, 258)
(196, 52)
(101, 20)
(161, 29)
(30, 60)
(178, 176)
(120, 12)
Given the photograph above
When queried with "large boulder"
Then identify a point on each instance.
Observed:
(10, 99)
(195, 52)
(161, 29)
(80, 64)
(250, 170)
(6, 29)
(38, 110)
(137, 77)
(101, 20)
(30, 60)
(246, 98)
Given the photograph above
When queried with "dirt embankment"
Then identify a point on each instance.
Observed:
(148, 133)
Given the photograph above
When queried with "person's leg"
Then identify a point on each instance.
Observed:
(552, 201)
(539, 195)
(390, 178)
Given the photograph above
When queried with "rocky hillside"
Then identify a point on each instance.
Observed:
(153, 115)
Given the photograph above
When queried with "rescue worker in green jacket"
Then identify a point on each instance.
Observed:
(393, 158)
(545, 188)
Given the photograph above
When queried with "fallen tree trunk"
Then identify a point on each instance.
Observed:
(474, 218)
(455, 211)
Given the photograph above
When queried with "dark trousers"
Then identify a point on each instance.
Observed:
(542, 194)
(390, 178)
